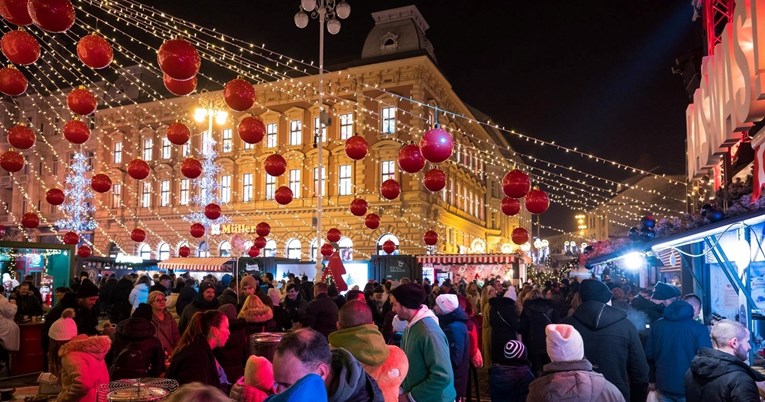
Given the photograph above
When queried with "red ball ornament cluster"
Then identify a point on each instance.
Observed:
(519, 236)
(275, 165)
(55, 196)
(212, 211)
(84, 251)
(137, 235)
(52, 15)
(71, 238)
(178, 133)
(12, 161)
(516, 184)
(184, 251)
(81, 101)
(20, 47)
(76, 132)
(239, 94)
(263, 229)
(94, 51)
(30, 220)
(12, 81)
(358, 207)
(101, 183)
(179, 59)
(434, 180)
(21, 137)
(138, 169)
(259, 242)
(327, 249)
(197, 230)
(436, 145)
(389, 246)
(191, 168)
(283, 195)
(372, 221)
(410, 159)
(390, 189)
(334, 235)
(178, 87)
(356, 147)
(251, 129)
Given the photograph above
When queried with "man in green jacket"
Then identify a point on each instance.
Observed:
(430, 376)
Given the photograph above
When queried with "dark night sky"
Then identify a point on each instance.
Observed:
(589, 74)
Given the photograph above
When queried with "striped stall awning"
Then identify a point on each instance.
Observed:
(203, 264)
(466, 259)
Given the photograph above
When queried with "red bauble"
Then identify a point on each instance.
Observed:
(327, 249)
(372, 221)
(358, 207)
(20, 47)
(259, 242)
(537, 201)
(84, 251)
(101, 183)
(197, 230)
(12, 161)
(516, 184)
(283, 195)
(520, 236)
(138, 235)
(334, 235)
(81, 101)
(436, 145)
(178, 87)
(21, 137)
(138, 169)
(511, 206)
(179, 59)
(95, 51)
(390, 189)
(30, 220)
(434, 180)
(212, 211)
(410, 159)
(184, 251)
(251, 130)
(430, 238)
(178, 133)
(77, 132)
(191, 168)
(15, 11)
(71, 238)
(239, 94)
(52, 15)
(12, 81)
(389, 247)
(356, 147)
(275, 165)
(253, 252)
(55, 196)
(263, 229)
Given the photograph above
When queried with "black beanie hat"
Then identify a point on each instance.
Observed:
(87, 289)
(205, 285)
(593, 289)
(662, 291)
(410, 295)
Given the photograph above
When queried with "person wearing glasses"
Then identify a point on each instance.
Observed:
(167, 329)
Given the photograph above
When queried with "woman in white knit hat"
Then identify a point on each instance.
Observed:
(61, 332)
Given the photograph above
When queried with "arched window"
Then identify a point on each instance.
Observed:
(225, 249)
(346, 249)
(382, 241)
(293, 249)
(144, 251)
(314, 250)
(164, 251)
(270, 249)
(203, 250)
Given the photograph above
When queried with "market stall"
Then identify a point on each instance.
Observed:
(472, 266)
(199, 267)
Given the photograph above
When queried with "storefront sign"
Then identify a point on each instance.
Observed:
(732, 93)
(128, 259)
(237, 229)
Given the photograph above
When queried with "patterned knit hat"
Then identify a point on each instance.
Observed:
(515, 350)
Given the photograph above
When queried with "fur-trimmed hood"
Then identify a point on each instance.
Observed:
(96, 346)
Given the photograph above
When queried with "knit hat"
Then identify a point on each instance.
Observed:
(447, 303)
(143, 311)
(229, 310)
(87, 289)
(248, 280)
(204, 286)
(410, 295)
(662, 291)
(275, 296)
(510, 293)
(515, 350)
(564, 343)
(64, 328)
(259, 373)
(595, 290)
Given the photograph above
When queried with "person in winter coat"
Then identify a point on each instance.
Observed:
(61, 332)
(68, 300)
(569, 375)
(135, 352)
(193, 360)
(121, 306)
(164, 285)
(229, 296)
(487, 294)
(233, 355)
(504, 321)
(257, 383)
(257, 316)
(9, 330)
(167, 329)
(510, 376)
(453, 321)
(140, 292)
(28, 304)
(321, 312)
(204, 301)
(611, 342)
(294, 303)
(83, 368)
(186, 296)
(722, 374)
(537, 314)
(281, 317)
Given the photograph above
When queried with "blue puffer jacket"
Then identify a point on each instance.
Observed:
(454, 325)
(673, 342)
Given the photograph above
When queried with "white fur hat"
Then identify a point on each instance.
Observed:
(447, 302)
(564, 343)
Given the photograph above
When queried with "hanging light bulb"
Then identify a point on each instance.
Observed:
(343, 10)
(333, 26)
(308, 5)
(301, 19)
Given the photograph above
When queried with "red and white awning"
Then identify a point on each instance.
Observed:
(466, 259)
(198, 264)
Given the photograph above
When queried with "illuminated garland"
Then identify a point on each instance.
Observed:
(77, 206)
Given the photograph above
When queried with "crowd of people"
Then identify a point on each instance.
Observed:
(396, 341)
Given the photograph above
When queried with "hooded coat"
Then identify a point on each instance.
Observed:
(430, 376)
(83, 368)
(199, 304)
(454, 326)
(612, 345)
(138, 295)
(131, 335)
(350, 382)
(536, 315)
(719, 376)
(572, 381)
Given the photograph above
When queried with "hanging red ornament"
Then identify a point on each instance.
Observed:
(77, 132)
(275, 165)
(52, 15)
(138, 235)
(434, 180)
(356, 147)
(71, 238)
(20, 47)
(138, 169)
(436, 145)
(21, 137)
(178, 133)
(179, 87)
(520, 236)
(12, 161)
(253, 252)
(430, 238)
(12, 81)
(327, 249)
(84, 251)
(410, 158)
(101, 183)
(81, 101)
(334, 235)
(372, 221)
(389, 246)
(390, 189)
(259, 242)
(251, 129)
(283, 195)
(212, 211)
(15, 12)
(358, 207)
(191, 168)
(30, 220)
(263, 229)
(239, 94)
(516, 184)
(537, 201)
(511, 206)
(95, 51)
(179, 59)
(197, 230)
(55, 196)
(184, 251)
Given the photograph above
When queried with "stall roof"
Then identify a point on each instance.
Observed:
(207, 264)
(466, 259)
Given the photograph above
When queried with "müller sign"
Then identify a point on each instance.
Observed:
(732, 93)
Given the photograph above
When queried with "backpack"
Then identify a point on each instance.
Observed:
(131, 362)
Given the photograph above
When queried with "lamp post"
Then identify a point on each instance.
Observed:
(329, 13)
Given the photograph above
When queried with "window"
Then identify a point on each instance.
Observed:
(270, 186)
(382, 241)
(295, 182)
(316, 181)
(293, 249)
(387, 170)
(164, 193)
(388, 120)
(144, 252)
(316, 125)
(248, 146)
(54, 165)
(270, 249)
(166, 148)
(148, 149)
(185, 187)
(186, 150)
(313, 250)
(225, 249)
(228, 140)
(117, 152)
(345, 246)
(146, 195)
(225, 189)
(203, 250)
(271, 132)
(296, 132)
(346, 126)
(116, 195)
(247, 187)
(164, 251)
(344, 181)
